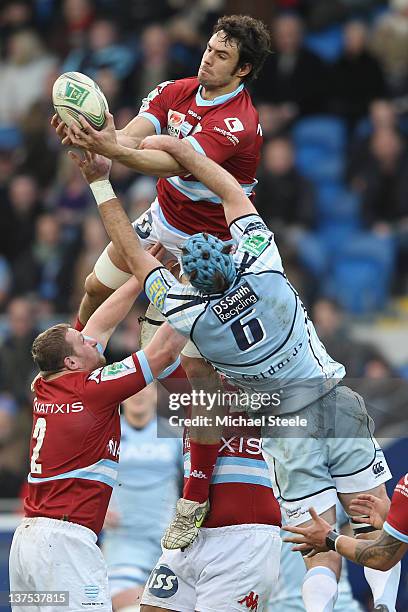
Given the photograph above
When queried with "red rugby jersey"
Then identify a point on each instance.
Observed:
(397, 518)
(241, 489)
(75, 440)
(225, 129)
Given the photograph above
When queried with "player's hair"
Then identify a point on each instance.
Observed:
(208, 263)
(252, 38)
(50, 348)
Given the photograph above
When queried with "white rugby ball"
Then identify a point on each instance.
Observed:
(75, 94)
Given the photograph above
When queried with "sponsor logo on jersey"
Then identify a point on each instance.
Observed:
(235, 303)
(250, 601)
(114, 447)
(255, 244)
(118, 369)
(227, 134)
(194, 114)
(75, 94)
(235, 445)
(296, 512)
(54, 408)
(163, 582)
(152, 95)
(91, 591)
(198, 474)
(378, 468)
(174, 122)
(156, 292)
(256, 226)
(234, 124)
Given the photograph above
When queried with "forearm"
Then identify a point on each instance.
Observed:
(126, 140)
(381, 553)
(125, 240)
(154, 163)
(102, 323)
(213, 176)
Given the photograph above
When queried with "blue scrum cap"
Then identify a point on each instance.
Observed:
(208, 262)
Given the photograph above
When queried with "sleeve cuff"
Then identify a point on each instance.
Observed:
(153, 120)
(144, 364)
(402, 537)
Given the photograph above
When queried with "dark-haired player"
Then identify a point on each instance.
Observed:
(214, 113)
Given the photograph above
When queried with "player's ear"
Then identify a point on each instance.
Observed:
(244, 70)
(71, 362)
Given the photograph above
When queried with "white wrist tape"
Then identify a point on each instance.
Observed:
(337, 541)
(102, 191)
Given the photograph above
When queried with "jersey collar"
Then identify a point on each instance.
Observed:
(220, 99)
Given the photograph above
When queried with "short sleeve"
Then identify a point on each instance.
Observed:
(156, 104)
(396, 524)
(256, 251)
(180, 304)
(110, 385)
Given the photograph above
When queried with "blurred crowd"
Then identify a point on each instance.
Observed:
(333, 181)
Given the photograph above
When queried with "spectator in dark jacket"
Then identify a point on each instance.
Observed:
(357, 78)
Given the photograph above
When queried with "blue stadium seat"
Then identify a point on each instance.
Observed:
(336, 203)
(318, 164)
(362, 272)
(327, 132)
(327, 44)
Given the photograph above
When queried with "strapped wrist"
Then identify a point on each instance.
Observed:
(102, 191)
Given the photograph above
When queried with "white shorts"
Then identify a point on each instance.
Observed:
(52, 555)
(152, 227)
(311, 471)
(225, 569)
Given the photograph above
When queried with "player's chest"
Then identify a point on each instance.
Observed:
(185, 120)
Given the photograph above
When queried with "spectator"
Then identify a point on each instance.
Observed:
(45, 268)
(17, 370)
(357, 76)
(390, 45)
(5, 281)
(140, 195)
(101, 50)
(385, 394)
(331, 327)
(22, 208)
(23, 75)
(283, 197)
(294, 81)
(14, 15)
(382, 179)
(70, 25)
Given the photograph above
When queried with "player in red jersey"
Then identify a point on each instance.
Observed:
(214, 113)
(74, 451)
(383, 552)
(234, 562)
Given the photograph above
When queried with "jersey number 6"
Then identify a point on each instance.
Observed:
(38, 434)
(248, 333)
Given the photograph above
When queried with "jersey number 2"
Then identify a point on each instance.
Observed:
(248, 333)
(38, 434)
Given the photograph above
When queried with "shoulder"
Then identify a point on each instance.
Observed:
(185, 86)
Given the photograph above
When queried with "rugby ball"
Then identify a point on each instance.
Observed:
(75, 94)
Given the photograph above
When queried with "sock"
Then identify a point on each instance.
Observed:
(203, 458)
(384, 585)
(319, 589)
(78, 325)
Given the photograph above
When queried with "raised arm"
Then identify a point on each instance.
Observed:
(105, 142)
(112, 311)
(219, 181)
(95, 169)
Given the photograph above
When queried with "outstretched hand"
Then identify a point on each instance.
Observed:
(93, 167)
(312, 536)
(103, 142)
(373, 509)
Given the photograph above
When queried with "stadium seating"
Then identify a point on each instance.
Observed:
(327, 44)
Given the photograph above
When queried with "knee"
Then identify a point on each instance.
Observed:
(94, 288)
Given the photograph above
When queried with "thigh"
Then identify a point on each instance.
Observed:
(356, 460)
(240, 567)
(171, 584)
